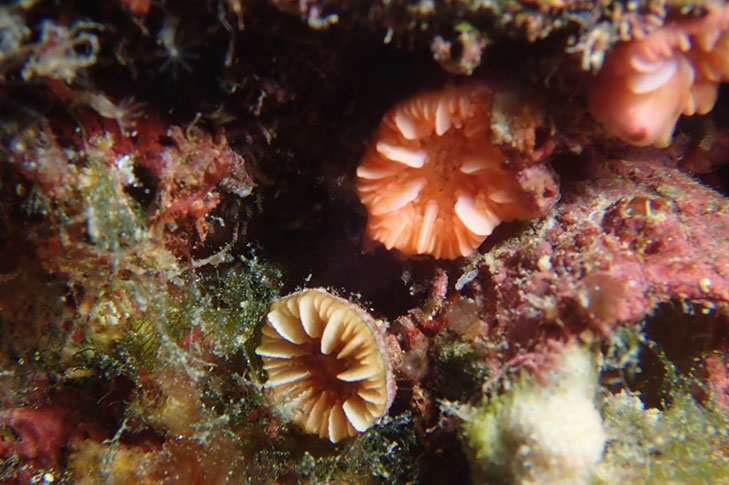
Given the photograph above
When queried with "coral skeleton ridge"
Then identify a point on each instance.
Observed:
(326, 364)
(432, 181)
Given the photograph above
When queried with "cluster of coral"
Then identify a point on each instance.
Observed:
(334, 241)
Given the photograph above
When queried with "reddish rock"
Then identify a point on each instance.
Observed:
(635, 233)
(37, 439)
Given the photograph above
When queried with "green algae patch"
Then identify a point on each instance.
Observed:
(684, 443)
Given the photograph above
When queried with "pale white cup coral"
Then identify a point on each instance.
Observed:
(327, 364)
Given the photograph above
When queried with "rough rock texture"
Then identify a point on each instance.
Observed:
(614, 247)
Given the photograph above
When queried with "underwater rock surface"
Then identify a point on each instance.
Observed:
(169, 171)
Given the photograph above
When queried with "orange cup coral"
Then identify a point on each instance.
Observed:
(646, 84)
(327, 363)
(432, 181)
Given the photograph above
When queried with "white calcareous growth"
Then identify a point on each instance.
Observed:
(541, 433)
(327, 364)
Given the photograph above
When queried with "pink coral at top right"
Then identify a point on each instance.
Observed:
(647, 83)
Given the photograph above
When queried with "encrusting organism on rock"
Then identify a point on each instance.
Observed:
(540, 432)
(646, 84)
(327, 363)
(432, 180)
